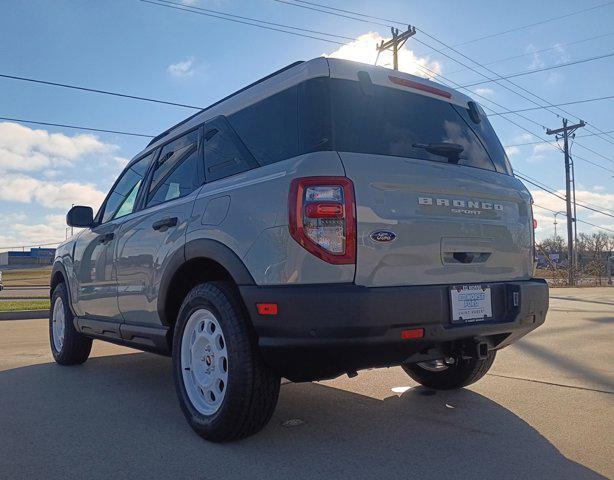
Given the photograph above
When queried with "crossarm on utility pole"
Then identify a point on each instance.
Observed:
(396, 42)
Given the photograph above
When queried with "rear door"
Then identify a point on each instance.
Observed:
(148, 240)
(424, 218)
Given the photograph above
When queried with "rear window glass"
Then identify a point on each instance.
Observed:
(393, 122)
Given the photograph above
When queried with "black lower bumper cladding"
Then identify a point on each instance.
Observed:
(322, 331)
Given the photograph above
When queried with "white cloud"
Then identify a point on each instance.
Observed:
(363, 50)
(599, 188)
(26, 149)
(15, 232)
(485, 92)
(540, 152)
(182, 69)
(545, 218)
(512, 151)
(61, 195)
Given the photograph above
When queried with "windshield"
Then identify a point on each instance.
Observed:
(389, 121)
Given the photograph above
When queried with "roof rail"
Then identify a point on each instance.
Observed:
(277, 72)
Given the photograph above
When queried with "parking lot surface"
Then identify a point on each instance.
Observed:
(545, 410)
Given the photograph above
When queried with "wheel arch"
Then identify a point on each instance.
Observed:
(59, 275)
(201, 260)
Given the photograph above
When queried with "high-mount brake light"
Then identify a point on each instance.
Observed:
(323, 219)
(404, 82)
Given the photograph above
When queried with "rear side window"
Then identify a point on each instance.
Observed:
(393, 122)
(269, 128)
(225, 154)
(122, 199)
(176, 173)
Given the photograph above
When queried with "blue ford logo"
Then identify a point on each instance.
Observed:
(383, 236)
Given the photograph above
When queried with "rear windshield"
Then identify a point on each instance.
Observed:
(334, 114)
(389, 121)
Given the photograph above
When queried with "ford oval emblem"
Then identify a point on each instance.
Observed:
(383, 236)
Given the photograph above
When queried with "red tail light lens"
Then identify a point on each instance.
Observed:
(322, 217)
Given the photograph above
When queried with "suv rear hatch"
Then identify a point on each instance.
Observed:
(426, 215)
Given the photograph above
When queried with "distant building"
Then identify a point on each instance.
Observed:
(36, 256)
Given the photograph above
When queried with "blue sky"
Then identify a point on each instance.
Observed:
(142, 49)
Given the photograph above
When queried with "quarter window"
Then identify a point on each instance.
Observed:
(176, 173)
(269, 128)
(225, 154)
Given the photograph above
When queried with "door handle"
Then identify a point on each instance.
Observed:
(106, 238)
(165, 223)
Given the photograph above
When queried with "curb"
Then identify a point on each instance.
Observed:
(24, 315)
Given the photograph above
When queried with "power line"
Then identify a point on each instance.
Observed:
(534, 24)
(231, 15)
(359, 14)
(542, 50)
(76, 127)
(336, 14)
(286, 26)
(440, 51)
(536, 70)
(575, 102)
(546, 189)
(535, 143)
(237, 19)
(94, 90)
(577, 219)
(512, 122)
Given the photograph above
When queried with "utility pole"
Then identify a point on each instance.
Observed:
(396, 43)
(565, 133)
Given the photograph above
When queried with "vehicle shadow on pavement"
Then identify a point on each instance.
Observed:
(118, 417)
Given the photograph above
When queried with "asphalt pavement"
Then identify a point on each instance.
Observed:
(545, 411)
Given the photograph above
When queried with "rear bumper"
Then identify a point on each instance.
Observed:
(322, 331)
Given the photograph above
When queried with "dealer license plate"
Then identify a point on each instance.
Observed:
(470, 303)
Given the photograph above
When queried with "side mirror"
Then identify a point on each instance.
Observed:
(79, 216)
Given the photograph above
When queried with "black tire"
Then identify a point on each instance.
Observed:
(75, 348)
(252, 387)
(459, 375)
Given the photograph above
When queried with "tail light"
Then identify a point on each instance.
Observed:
(534, 225)
(323, 219)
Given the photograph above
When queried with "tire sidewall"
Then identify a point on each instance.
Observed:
(207, 296)
(60, 292)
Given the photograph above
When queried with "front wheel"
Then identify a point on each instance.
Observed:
(68, 346)
(225, 389)
(439, 375)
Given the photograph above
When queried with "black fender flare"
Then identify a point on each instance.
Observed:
(201, 248)
(58, 266)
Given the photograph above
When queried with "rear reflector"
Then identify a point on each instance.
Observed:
(267, 308)
(404, 82)
(413, 333)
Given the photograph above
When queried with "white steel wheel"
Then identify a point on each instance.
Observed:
(58, 320)
(204, 361)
